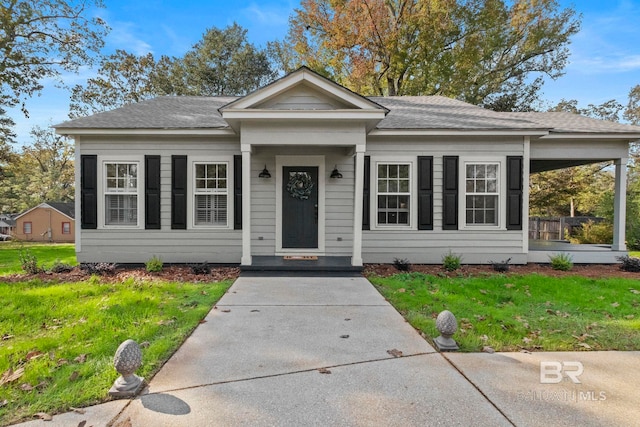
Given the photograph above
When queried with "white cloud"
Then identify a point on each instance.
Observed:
(122, 36)
(267, 16)
(607, 64)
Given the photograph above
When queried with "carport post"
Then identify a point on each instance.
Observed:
(620, 206)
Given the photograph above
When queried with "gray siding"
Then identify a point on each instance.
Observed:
(428, 246)
(172, 246)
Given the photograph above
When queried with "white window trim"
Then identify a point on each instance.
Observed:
(102, 178)
(191, 221)
(502, 193)
(413, 192)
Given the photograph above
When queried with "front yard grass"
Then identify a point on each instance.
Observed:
(46, 253)
(63, 336)
(532, 312)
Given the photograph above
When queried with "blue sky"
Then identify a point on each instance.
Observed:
(604, 64)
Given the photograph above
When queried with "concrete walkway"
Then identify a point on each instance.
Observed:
(298, 351)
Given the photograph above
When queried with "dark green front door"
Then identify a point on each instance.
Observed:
(300, 207)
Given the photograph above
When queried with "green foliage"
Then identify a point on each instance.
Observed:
(502, 266)
(561, 261)
(201, 269)
(41, 171)
(154, 265)
(481, 52)
(40, 40)
(222, 63)
(28, 262)
(592, 233)
(451, 261)
(77, 327)
(534, 312)
(60, 267)
(628, 263)
(46, 253)
(401, 264)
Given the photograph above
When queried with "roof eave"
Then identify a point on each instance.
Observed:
(226, 131)
(465, 132)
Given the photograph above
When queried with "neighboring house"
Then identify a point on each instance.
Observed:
(305, 167)
(48, 222)
(7, 223)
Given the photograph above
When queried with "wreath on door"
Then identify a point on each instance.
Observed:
(300, 185)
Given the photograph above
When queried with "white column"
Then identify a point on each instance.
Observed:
(620, 206)
(356, 258)
(246, 204)
(526, 171)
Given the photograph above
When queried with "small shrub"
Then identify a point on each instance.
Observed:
(60, 267)
(593, 233)
(154, 265)
(28, 262)
(562, 261)
(502, 266)
(451, 261)
(629, 263)
(201, 269)
(99, 268)
(402, 264)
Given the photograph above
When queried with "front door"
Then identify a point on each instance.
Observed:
(300, 207)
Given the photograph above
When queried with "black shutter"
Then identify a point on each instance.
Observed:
(179, 192)
(237, 192)
(88, 192)
(450, 193)
(366, 195)
(425, 192)
(152, 192)
(514, 192)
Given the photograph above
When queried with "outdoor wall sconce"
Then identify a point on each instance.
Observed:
(265, 173)
(336, 173)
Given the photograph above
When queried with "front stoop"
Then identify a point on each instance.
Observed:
(272, 264)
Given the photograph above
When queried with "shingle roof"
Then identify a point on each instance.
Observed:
(164, 112)
(439, 112)
(69, 209)
(565, 122)
(405, 112)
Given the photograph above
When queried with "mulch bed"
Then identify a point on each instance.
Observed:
(184, 273)
(584, 270)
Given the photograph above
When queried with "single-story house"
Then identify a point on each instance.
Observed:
(48, 222)
(304, 167)
(7, 223)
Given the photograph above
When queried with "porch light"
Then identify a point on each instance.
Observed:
(265, 173)
(336, 173)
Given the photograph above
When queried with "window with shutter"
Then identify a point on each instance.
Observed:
(210, 192)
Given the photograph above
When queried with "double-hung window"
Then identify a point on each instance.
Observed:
(393, 184)
(211, 194)
(121, 193)
(482, 190)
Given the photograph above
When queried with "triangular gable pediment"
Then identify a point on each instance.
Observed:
(307, 95)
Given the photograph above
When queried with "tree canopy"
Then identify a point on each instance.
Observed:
(222, 63)
(41, 40)
(475, 50)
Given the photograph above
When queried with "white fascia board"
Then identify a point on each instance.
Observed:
(620, 136)
(142, 132)
(254, 114)
(458, 132)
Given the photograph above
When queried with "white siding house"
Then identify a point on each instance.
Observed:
(305, 167)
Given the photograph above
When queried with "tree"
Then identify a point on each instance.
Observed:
(43, 171)
(609, 110)
(222, 63)
(40, 40)
(474, 50)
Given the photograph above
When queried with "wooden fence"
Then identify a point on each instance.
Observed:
(556, 228)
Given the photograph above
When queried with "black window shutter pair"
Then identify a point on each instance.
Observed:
(514, 193)
(425, 193)
(179, 192)
(89, 192)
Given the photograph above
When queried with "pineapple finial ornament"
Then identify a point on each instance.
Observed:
(447, 325)
(127, 360)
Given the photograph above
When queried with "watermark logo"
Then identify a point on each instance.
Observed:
(553, 372)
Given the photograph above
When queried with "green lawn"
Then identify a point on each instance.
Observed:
(533, 312)
(46, 253)
(64, 336)
(634, 254)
